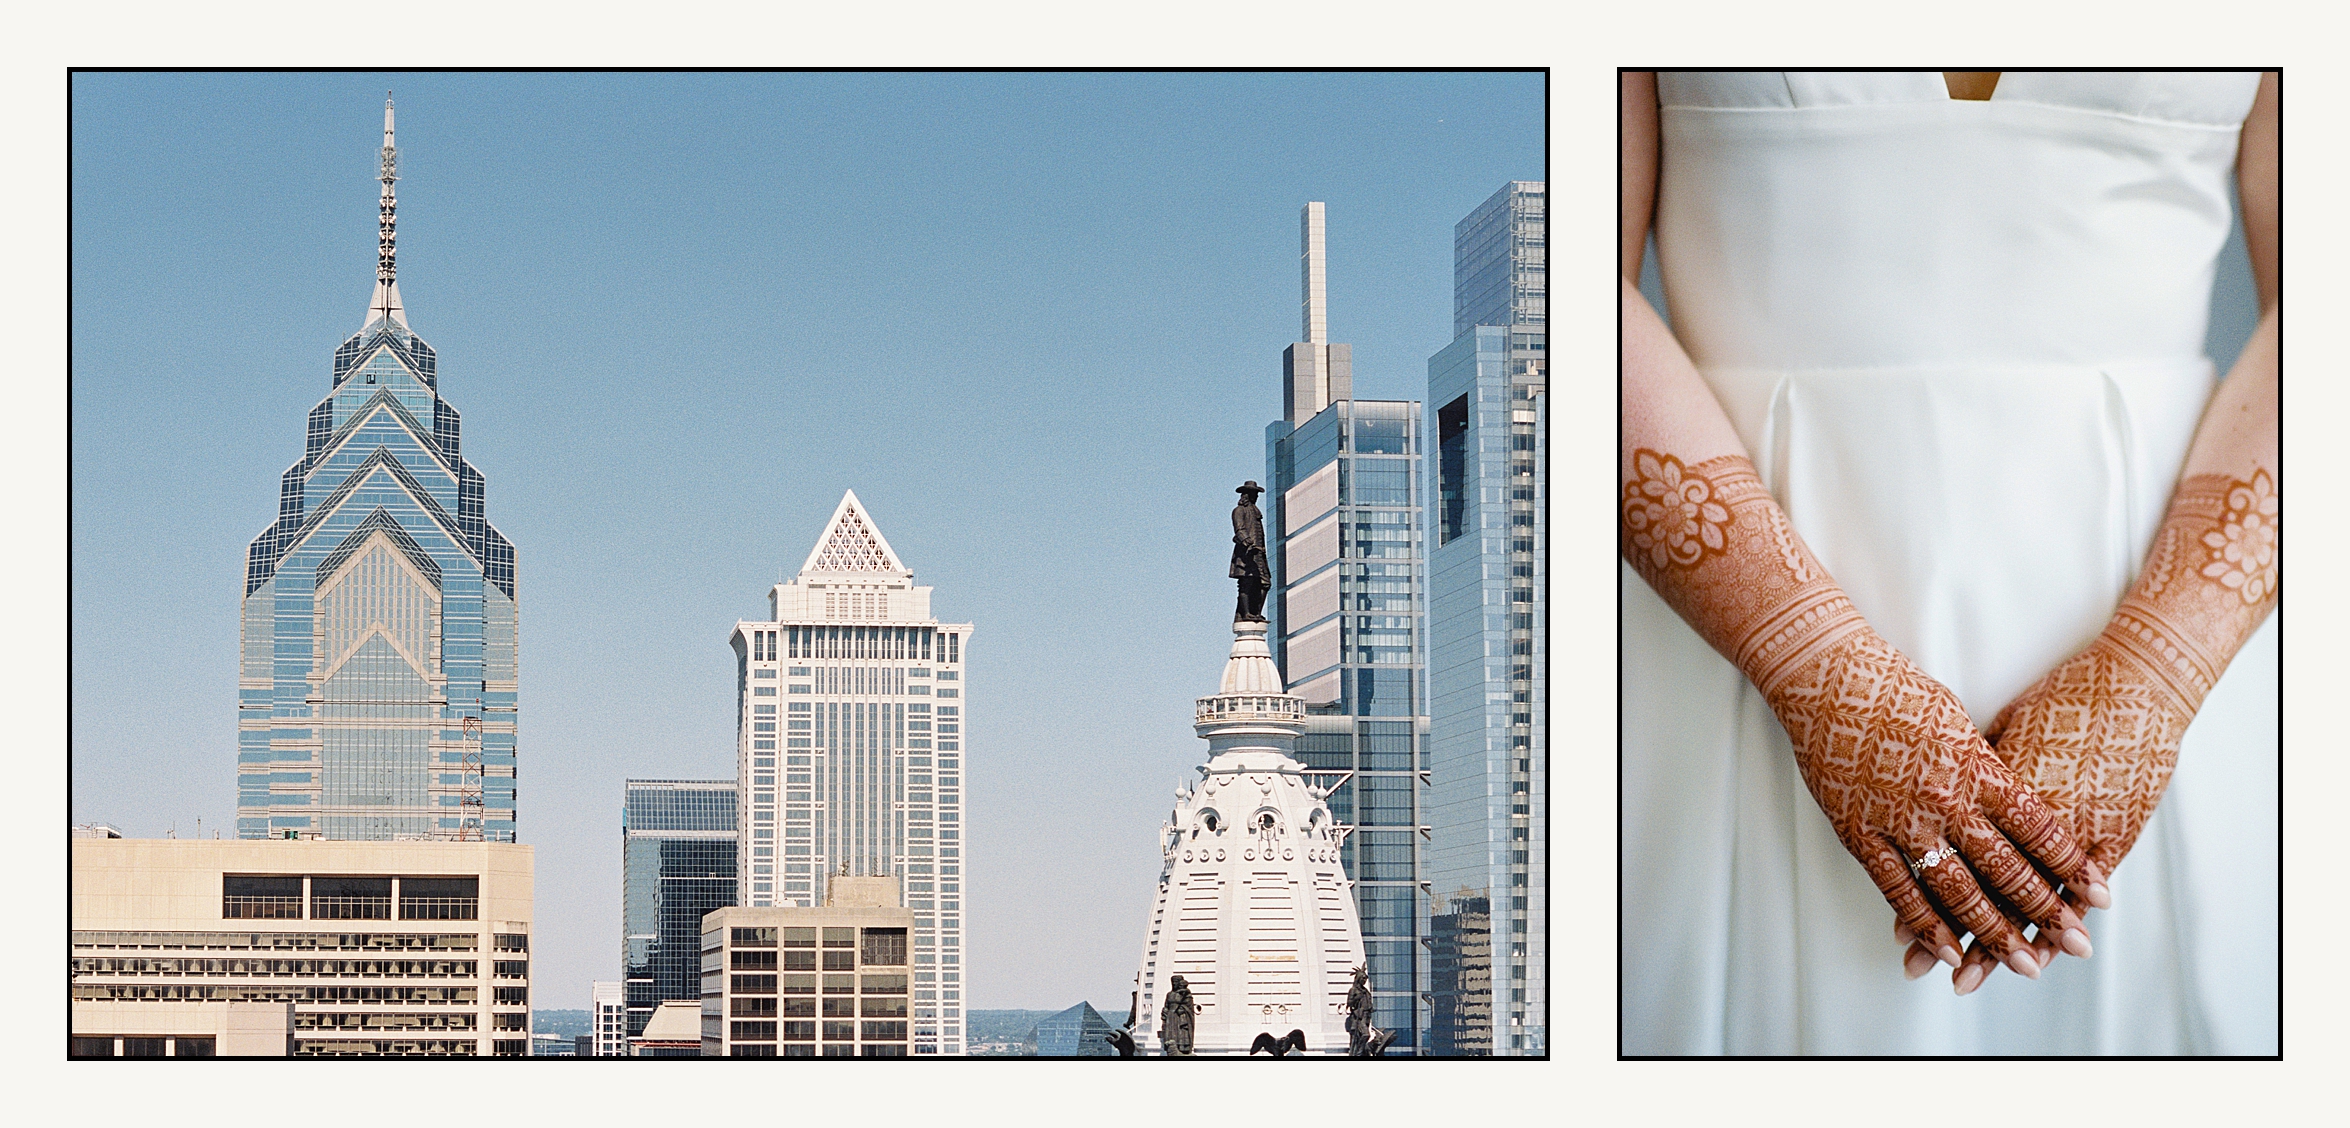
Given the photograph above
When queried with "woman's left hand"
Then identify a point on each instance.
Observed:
(2097, 739)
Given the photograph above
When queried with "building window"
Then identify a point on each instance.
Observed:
(440, 898)
(885, 947)
(351, 898)
(763, 691)
(1452, 463)
(257, 898)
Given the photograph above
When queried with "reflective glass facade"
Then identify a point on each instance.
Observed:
(376, 683)
(677, 863)
(1500, 264)
(852, 749)
(1488, 660)
(1345, 535)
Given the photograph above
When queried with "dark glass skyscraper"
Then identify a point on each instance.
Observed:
(376, 687)
(676, 864)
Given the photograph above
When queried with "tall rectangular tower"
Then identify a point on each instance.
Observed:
(376, 688)
(677, 862)
(859, 693)
(1488, 657)
(1344, 537)
(1314, 372)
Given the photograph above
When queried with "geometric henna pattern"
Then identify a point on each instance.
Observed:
(1887, 751)
(2099, 736)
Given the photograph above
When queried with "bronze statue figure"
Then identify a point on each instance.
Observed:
(1248, 555)
(1175, 1018)
(1363, 1039)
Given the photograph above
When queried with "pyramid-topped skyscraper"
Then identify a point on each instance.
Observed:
(852, 702)
(376, 688)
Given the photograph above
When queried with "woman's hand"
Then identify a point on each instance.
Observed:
(1933, 816)
(1888, 752)
(2097, 738)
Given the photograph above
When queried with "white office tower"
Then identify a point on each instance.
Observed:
(1253, 908)
(858, 692)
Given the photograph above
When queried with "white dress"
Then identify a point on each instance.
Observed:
(1963, 343)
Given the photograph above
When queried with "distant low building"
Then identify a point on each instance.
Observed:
(608, 1021)
(401, 949)
(553, 1045)
(1080, 1031)
(675, 1030)
(95, 830)
(113, 1028)
(782, 982)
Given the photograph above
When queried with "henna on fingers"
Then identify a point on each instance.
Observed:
(1887, 752)
(2099, 736)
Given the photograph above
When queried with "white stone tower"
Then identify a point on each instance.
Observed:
(1254, 909)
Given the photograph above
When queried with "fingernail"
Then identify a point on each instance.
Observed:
(2100, 896)
(1948, 955)
(1917, 963)
(2024, 965)
(2076, 942)
(1969, 978)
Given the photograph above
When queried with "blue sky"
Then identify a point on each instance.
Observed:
(1035, 321)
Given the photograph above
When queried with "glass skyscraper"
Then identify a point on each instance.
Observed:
(676, 863)
(1488, 657)
(1344, 535)
(859, 693)
(376, 685)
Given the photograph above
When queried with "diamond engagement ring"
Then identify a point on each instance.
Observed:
(1933, 858)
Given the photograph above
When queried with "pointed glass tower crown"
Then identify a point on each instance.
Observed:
(854, 695)
(376, 690)
(1252, 910)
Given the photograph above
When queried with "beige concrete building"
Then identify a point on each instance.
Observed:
(809, 982)
(675, 1030)
(113, 1028)
(371, 948)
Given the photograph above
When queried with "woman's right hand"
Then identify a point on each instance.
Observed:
(1887, 751)
(1918, 797)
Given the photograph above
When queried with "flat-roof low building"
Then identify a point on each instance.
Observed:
(675, 1030)
(110, 1029)
(370, 948)
(811, 982)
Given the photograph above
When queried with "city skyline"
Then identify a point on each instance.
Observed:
(990, 362)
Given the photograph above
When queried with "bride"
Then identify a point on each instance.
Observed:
(1945, 546)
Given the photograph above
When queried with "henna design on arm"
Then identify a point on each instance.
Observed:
(1886, 751)
(2099, 736)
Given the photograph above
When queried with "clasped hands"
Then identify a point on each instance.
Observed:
(1984, 834)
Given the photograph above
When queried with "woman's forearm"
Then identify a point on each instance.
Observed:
(2211, 576)
(1698, 525)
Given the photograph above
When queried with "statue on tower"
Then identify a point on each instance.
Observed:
(1175, 1018)
(1248, 555)
(1363, 1039)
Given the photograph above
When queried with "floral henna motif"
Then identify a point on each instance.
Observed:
(2244, 547)
(1886, 750)
(1713, 543)
(1671, 516)
(2099, 736)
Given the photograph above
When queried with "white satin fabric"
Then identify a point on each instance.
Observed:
(1963, 343)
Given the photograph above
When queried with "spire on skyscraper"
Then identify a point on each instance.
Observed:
(386, 302)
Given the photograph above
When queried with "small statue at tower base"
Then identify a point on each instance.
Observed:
(1176, 1018)
(1363, 1039)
